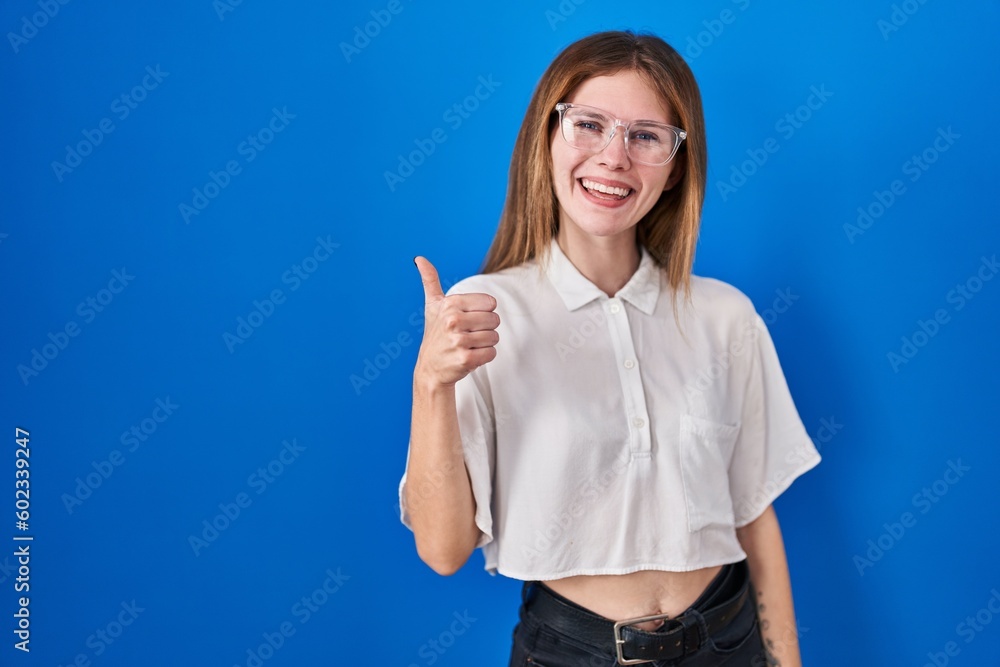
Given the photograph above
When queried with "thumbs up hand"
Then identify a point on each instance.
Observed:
(459, 331)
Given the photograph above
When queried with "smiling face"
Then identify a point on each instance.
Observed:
(606, 193)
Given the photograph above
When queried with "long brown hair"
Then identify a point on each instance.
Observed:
(669, 231)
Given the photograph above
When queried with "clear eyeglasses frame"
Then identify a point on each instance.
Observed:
(591, 129)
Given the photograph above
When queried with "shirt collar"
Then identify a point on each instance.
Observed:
(642, 290)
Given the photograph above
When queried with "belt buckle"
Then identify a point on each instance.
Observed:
(619, 642)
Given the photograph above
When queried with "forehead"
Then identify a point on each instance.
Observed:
(626, 95)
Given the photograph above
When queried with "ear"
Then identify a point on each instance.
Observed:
(676, 171)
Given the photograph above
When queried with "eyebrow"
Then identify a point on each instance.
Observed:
(589, 113)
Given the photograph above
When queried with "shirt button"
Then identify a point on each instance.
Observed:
(615, 308)
(638, 422)
(629, 363)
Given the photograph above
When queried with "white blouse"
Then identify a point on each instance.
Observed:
(600, 441)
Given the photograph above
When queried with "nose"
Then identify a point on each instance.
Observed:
(614, 155)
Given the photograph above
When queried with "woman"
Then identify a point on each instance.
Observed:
(620, 449)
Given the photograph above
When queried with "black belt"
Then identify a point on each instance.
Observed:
(633, 645)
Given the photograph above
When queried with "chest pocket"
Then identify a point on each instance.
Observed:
(706, 448)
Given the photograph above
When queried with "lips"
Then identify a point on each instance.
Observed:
(606, 191)
(606, 194)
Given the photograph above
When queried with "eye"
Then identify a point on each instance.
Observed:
(645, 136)
(588, 126)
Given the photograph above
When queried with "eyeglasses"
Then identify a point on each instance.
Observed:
(591, 129)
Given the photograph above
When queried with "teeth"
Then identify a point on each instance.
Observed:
(606, 189)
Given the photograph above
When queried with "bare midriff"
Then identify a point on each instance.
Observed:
(644, 593)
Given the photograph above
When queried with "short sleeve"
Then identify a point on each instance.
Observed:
(473, 402)
(772, 448)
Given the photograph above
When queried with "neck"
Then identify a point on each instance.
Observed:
(608, 262)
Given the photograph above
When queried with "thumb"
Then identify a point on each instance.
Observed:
(429, 276)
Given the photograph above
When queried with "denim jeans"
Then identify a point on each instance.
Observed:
(738, 644)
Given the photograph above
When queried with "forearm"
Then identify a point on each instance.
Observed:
(438, 491)
(765, 549)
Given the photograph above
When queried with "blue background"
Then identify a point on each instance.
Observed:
(333, 507)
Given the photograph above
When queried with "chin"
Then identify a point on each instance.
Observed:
(604, 229)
